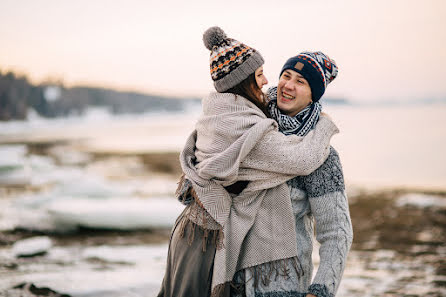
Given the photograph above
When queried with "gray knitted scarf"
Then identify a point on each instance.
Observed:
(298, 125)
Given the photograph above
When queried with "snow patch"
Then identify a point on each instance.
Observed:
(421, 200)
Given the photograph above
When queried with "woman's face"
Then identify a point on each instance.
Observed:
(260, 77)
(293, 92)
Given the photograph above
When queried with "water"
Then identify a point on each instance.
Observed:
(396, 146)
(380, 146)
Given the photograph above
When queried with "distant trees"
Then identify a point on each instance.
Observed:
(14, 93)
(52, 99)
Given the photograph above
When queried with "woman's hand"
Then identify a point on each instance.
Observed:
(310, 295)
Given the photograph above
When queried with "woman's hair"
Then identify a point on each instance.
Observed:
(249, 89)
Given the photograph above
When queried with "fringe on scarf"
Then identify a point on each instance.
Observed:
(185, 192)
(261, 274)
(215, 237)
(197, 217)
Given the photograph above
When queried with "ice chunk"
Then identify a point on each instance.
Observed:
(12, 155)
(116, 213)
(15, 176)
(32, 246)
(67, 155)
(13, 168)
(90, 186)
(421, 200)
(126, 254)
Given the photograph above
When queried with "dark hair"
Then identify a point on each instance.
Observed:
(249, 89)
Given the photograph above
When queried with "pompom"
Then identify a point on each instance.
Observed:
(213, 36)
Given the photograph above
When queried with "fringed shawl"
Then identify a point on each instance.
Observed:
(234, 140)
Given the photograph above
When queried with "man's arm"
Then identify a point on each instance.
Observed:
(329, 206)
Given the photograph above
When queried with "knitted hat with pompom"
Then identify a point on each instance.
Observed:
(316, 67)
(231, 61)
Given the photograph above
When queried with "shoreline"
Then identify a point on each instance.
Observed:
(165, 160)
(399, 245)
(400, 226)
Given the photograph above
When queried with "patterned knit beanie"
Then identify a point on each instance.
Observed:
(316, 68)
(231, 61)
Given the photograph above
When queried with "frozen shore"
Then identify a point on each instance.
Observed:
(399, 249)
(108, 219)
(102, 193)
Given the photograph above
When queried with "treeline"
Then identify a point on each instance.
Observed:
(15, 96)
(18, 95)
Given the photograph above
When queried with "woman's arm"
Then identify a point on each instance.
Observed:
(293, 155)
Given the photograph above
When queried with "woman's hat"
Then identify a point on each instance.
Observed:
(231, 61)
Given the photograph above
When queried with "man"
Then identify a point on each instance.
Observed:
(294, 104)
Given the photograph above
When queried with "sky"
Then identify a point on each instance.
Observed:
(385, 50)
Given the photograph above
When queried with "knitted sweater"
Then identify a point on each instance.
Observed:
(235, 141)
(321, 195)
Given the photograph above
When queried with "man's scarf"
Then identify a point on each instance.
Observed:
(298, 125)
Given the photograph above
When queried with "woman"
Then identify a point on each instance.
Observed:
(235, 167)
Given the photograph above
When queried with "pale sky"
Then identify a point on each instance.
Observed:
(391, 49)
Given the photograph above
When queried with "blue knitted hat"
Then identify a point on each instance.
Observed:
(316, 68)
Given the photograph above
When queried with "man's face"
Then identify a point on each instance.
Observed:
(293, 92)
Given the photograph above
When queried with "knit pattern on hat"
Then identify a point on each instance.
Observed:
(231, 61)
(228, 57)
(326, 67)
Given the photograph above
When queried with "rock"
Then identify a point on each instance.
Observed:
(29, 289)
(33, 246)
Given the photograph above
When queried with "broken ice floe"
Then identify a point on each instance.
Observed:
(32, 246)
(421, 200)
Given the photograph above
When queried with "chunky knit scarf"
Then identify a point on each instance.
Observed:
(298, 125)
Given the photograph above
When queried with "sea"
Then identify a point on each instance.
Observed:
(380, 145)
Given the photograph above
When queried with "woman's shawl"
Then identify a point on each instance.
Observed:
(233, 140)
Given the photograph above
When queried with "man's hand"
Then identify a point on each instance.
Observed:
(310, 295)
